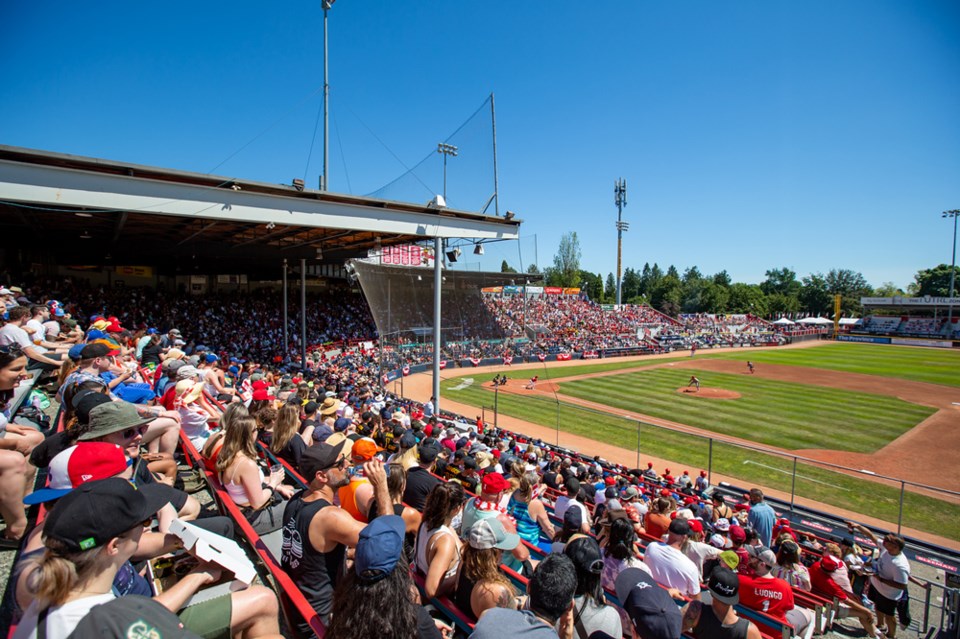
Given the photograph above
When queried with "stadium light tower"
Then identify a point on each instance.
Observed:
(445, 150)
(325, 178)
(620, 199)
(955, 213)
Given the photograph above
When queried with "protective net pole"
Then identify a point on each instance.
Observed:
(437, 280)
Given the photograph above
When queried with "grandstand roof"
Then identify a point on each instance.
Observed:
(70, 209)
(922, 303)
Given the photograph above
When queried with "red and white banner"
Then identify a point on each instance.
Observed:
(508, 359)
(563, 357)
(542, 357)
(385, 379)
(474, 361)
(591, 355)
(405, 371)
(443, 364)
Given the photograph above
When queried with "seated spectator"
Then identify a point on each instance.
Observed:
(285, 440)
(90, 534)
(13, 334)
(571, 500)
(355, 497)
(438, 547)
(695, 549)
(657, 519)
(379, 575)
(590, 612)
(790, 568)
(420, 480)
(16, 443)
(551, 589)
(316, 534)
(267, 417)
(533, 521)
(772, 595)
(396, 482)
(487, 504)
(572, 527)
(195, 412)
(650, 611)
(481, 585)
(719, 620)
(669, 566)
(821, 579)
(262, 502)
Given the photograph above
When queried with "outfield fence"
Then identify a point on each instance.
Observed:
(900, 502)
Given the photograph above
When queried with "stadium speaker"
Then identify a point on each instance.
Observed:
(454, 255)
(478, 249)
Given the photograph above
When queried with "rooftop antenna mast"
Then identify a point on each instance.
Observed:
(620, 199)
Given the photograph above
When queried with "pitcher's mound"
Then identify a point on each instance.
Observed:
(709, 393)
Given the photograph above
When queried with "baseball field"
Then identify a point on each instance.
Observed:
(786, 425)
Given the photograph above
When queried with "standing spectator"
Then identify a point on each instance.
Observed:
(719, 620)
(890, 582)
(420, 478)
(761, 517)
(669, 566)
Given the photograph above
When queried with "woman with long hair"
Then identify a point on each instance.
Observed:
(481, 585)
(620, 552)
(262, 502)
(590, 610)
(396, 484)
(286, 442)
(438, 547)
(266, 417)
(790, 568)
(214, 444)
(376, 598)
(16, 443)
(533, 522)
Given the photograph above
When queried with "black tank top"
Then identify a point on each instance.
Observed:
(462, 596)
(315, 573)
(710, 627)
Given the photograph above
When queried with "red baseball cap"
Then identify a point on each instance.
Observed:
(610, 481)
(494, 483)
(262, 395)
(695, 525)
(737, 534)
(87, 461)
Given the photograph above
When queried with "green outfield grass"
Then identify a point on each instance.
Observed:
(919, 364)
(781, 414)
(753, 468)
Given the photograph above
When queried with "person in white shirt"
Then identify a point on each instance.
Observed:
(14, 333)
(565, 502)
(669, 566)
(890, 582)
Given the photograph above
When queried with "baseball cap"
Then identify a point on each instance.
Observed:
(829, 563)
(492, 532)
(572, 519)
(85, 401)
(768, 557)
(130, 616)
(730, 558)
(717, 541)
(408, 440)
(738, 534)
(320, 457)
(679, 526)
(342, 424)
(98, 511)
(722, 524)
(262, 396)
(631, 492)
(696, 526)
(97, 349)
(311, 407)
(87, 461)
(187, 371)
(653, 613)
(379, 548)
(470, 462)
(494, 483)
(428, 450)
(113, 417)
(724, 585)
(585, 554)
(210, 357)
(364, 449)
(75, 352)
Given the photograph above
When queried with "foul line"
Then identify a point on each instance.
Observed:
(785, 472)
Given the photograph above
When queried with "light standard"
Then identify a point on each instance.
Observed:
(445, 150)
(620, 199)
(325, 178)
(955, 213)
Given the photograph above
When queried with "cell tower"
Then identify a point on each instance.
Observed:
(620, 198)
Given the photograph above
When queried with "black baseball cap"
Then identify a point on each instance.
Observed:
(585, 554)
(428, 450)
(88, 400)
(130, 616)
(97, 349)
(319, 457)
(655, 615)
(679, 526)
(724, 585)
(98, 511)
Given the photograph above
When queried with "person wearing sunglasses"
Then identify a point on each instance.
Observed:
(13, 334)
(316, 534)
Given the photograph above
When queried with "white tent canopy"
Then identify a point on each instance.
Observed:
(783, 321)
(815, 320)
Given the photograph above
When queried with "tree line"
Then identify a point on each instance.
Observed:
(782, 292)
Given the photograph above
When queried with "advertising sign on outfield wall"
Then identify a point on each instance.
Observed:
(934, 343)
(863, 339)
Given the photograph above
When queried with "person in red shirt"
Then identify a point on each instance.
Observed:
(772, 595)
(821, 580)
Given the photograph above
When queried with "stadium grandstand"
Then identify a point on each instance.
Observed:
(266, 449)
(927, 321)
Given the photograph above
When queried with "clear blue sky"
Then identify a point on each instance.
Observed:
(752, 135)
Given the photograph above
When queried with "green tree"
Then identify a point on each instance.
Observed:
(645, 279)
(672, 272)
(747, 298)
(533, 270)
(722, 279)
(782, 281)
(692, 274)
(610, 289)
(566, 263)
(850, 286)
(888, 289)
(935, 281)
(814, 296)
(592, 284)
(630, 286)
(667, 295)
(506, 268)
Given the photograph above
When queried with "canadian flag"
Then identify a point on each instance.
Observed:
(475, 361)
(385, 379)
(541, 357)
(443, 364)
(508, 359)
(406, 371)
(563, 357)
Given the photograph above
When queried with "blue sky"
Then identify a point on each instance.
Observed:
(752, 135)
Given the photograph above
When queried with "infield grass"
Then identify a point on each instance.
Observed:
(916, 363)
(872, 498)
(782, 414)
